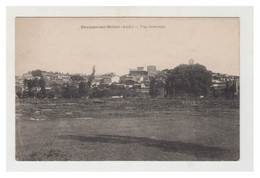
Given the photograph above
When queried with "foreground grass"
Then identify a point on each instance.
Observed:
(127, 129)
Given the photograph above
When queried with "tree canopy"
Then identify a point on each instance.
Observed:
(189, 79)
(36, 73)
(34, 88)
(76, 78)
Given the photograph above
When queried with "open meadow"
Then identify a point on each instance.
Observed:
(144, 129)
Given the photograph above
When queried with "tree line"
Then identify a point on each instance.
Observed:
(192, 80)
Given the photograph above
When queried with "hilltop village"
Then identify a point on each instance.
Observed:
(138, 80)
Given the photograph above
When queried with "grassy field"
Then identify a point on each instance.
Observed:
(127, 129)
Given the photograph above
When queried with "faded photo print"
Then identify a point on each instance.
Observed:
(127, 89)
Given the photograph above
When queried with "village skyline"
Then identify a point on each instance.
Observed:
(106, 72)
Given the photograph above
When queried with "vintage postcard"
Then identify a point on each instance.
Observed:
(129, 89)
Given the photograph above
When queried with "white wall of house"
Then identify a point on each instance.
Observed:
(115, 79)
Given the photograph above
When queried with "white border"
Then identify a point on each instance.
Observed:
(246, 100)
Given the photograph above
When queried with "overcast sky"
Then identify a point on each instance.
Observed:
(61, 44)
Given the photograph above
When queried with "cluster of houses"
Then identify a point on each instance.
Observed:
(49, 77)
(220, 81)
(137, 79)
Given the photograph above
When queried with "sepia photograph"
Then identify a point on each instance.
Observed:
(127, 89)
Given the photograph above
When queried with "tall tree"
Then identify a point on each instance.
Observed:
(153, 87)
(36, 73)
(90, 80)
(230, 89)
(82, 90)
(42, 84)
(189, 79)
(91, 77)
